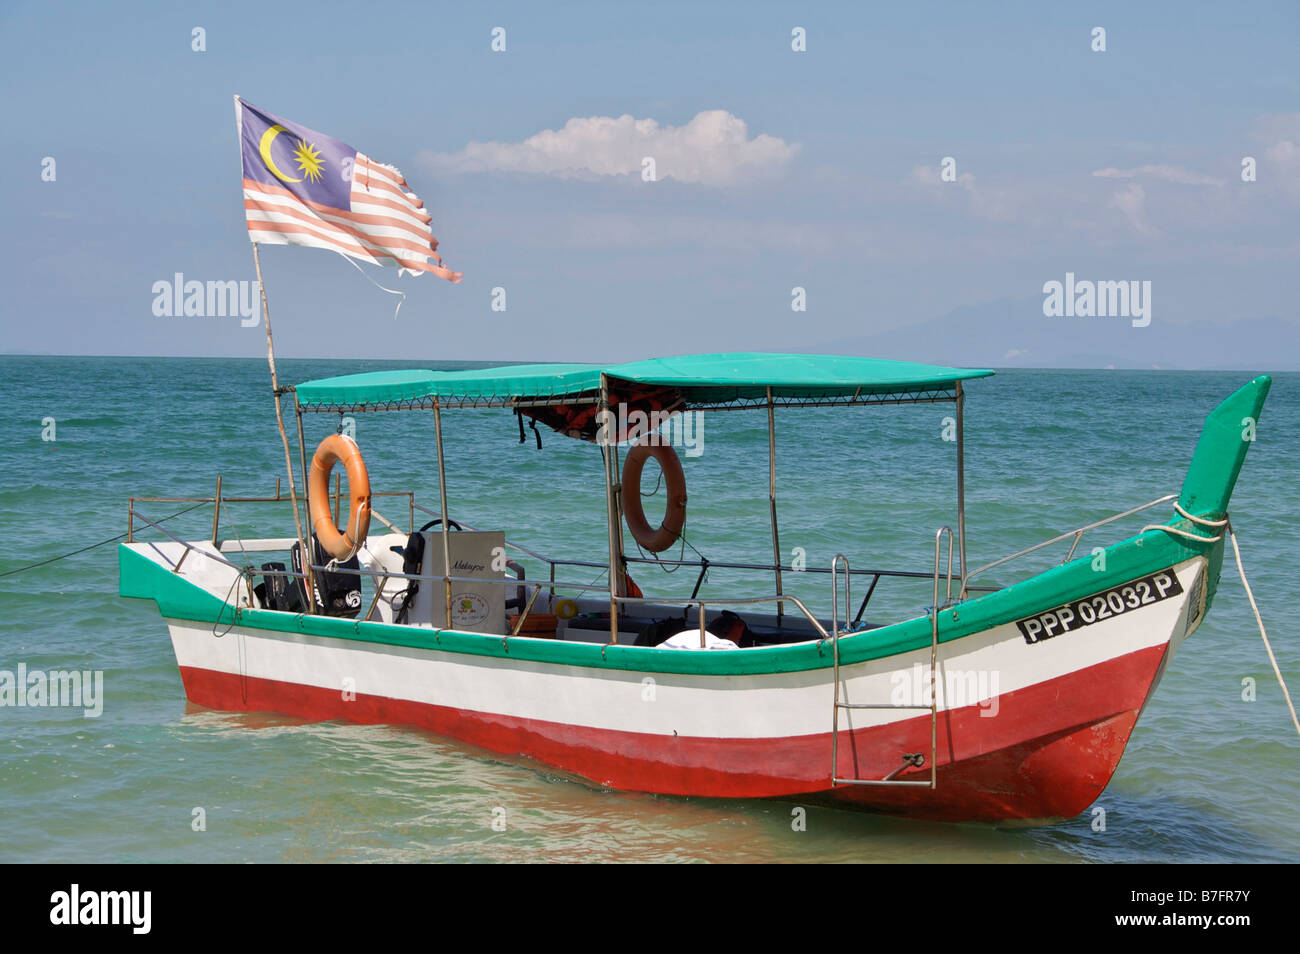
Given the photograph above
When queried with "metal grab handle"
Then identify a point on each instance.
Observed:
(938, 537)
(835, 592)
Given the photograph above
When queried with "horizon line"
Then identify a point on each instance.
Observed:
(502, 363)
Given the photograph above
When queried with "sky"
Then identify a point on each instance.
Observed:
(777, 169)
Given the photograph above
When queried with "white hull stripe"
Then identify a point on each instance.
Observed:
(773, 705)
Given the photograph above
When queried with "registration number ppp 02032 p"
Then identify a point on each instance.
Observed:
(1105, 605)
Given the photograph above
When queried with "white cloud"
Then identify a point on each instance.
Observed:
(1001, 204)
(931, 177)
(1283, 160)
(1277, 137)
(1132, 202)
(714, 148)
(1176, 174)
(1285, 152)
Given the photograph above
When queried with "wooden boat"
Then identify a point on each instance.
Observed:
(999, 703)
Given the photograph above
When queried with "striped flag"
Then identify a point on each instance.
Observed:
(303, 188)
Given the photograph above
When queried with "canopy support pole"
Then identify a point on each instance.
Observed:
(611, 513)
(771, 500)
(442, 505)
(961, 489)
(302, 462)
(284, 438)
(618, 518)
(302, 442)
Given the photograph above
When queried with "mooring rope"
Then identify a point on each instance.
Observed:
(1271, 658)
(64, 556)
(1199, 521)
(1226, 525)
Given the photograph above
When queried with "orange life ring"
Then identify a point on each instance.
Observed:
(675, 510)
(336, 448)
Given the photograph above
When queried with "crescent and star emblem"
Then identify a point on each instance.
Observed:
(305, 155)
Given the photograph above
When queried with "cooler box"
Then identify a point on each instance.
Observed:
(475, 607)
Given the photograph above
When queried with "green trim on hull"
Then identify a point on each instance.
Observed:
(178, 598)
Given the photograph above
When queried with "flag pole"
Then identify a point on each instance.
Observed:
(284, 438)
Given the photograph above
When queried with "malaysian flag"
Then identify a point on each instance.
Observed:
(303, 188)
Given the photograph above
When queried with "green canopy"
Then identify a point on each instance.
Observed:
(706, 380)
(381, 390)
(711, 379)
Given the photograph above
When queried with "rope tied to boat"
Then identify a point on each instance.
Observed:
(1225, 528)
(1199, 521)
(1271, 658)
(101, 543)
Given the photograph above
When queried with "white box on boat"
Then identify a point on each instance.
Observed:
(478, 607)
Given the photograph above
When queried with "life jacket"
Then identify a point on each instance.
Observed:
(730, 626)
(579, 420)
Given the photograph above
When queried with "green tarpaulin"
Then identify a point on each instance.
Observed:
(705, 379)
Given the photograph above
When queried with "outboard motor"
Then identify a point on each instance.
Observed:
(336, 594)
(278, 591)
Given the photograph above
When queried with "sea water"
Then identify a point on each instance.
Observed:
(1211, 774)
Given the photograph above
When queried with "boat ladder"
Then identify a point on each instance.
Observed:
(909, 759)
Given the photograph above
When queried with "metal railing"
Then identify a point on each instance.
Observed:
(218, 499)
(875, 575)
(381, 577)
(1077, 534)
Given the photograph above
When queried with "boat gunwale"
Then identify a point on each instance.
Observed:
(1129, 559)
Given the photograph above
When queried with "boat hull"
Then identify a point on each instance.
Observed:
(1028, 731)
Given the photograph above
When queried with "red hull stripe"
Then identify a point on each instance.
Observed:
(1048, 752)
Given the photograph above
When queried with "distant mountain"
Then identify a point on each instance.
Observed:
(1017, 334)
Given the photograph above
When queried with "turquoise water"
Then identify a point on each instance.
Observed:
(1207, 776)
